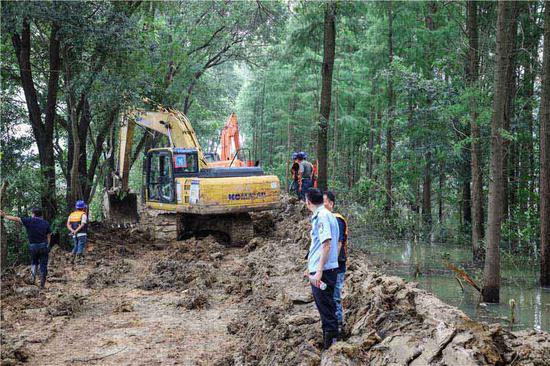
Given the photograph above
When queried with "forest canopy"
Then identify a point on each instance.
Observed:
(412, 102)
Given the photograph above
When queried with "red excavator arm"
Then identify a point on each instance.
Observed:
(231, 152)
(230, 133)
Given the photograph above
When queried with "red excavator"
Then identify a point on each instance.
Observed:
(232, 155)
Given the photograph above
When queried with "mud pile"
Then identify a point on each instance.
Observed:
(173, 274)
(388, 321)
(105, 275)
(189, 264)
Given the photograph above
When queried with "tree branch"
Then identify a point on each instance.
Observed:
(53, 79)
(22, 47)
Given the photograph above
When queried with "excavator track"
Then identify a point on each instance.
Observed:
(232, 229)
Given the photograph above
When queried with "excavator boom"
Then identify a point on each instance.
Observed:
(170, 123)
(230, 133)
(231, 153)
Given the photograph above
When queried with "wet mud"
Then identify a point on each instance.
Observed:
(197, 302)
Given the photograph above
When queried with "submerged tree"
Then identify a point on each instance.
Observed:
(545, 156)
(472, 74)
(506, 35)
(391, 107)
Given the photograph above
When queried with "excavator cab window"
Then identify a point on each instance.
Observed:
(186, 163)
(160, 179)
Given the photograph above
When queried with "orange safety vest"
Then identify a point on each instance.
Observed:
(345, 242)
(75, 218)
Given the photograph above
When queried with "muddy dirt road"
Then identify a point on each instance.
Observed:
(147, 306)
(196, 302)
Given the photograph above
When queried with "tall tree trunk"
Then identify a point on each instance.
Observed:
(391, 106)
(79, 119)
(254, 130)
(290, 127)
(465, 172)
(506, 33)
(260, 134)
(42, 131)
(335, 136)
(427, 193)
(378, 137)
(527, 177)
(329, 46)
(475, 159)
(440, 192)
(111, 147)
(102, 135)
(370, 145)
(3, 236)
(271, 138)
(545, 156)
(513, 156)
(511, 74)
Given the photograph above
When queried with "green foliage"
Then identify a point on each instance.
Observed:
(262, 60)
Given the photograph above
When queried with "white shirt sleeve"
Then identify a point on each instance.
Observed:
(323, 228)
(84, 219)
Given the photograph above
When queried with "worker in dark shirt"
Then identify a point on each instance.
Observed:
(329, 200)
(294, 173)
(305, 175)
(39, 234)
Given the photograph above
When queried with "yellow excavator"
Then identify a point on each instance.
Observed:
(182, 194)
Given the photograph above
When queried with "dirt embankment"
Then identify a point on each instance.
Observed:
(197, 302)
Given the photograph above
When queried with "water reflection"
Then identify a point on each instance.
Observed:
(406, 256)
(422, 262)
(538, 312)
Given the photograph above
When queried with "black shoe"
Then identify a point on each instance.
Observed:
(329, 338)
(42, 282)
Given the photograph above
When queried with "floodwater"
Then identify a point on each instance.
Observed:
(422, 262)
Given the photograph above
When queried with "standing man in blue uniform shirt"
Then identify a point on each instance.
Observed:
(329, 202)
(323, 263)
(39, 234)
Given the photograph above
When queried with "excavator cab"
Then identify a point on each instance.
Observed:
(163, 166)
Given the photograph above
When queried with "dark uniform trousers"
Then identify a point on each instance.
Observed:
(39, 256)
(307, 183)
(324, 300)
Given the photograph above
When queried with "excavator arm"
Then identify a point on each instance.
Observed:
(172, 124)
(230, 132)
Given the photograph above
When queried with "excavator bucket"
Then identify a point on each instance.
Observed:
(120, 208)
